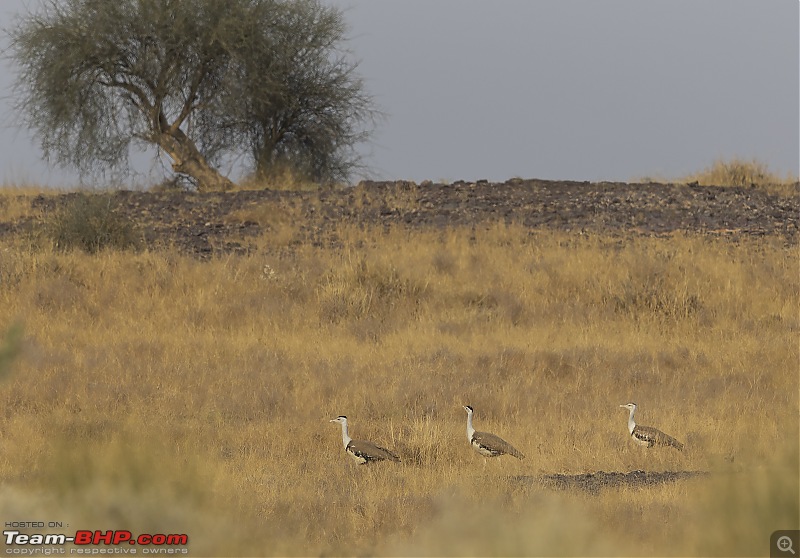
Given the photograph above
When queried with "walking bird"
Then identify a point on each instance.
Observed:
(362, 451)
(488, 444)
(647, 435)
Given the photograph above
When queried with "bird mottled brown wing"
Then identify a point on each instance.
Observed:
(654, 437)
(371, 452)
(496, 445)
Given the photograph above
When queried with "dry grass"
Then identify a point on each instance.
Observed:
(15, 200)
(737, 172)
(92, 223)
(159, 393)
(282, 177)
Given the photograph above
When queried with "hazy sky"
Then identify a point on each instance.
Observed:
(556, 89)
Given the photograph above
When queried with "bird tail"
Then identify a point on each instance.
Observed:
(670, 441)
(392, 456)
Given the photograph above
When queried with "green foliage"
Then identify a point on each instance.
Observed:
(304, 106)
(200, 79)
(91, 223)
(10, 348)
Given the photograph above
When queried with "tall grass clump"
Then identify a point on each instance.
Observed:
(743, 173)
(360, 287)
(281, 176)
(91, 222)
(15, 200)
(738, 172)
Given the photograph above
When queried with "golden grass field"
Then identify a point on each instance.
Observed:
(155, 392)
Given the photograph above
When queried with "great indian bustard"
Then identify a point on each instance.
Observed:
(488, 444)
(361, 451)
(647, 435)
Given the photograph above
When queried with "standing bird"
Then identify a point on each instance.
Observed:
(488, 444)
(647, 435)
(361, 451)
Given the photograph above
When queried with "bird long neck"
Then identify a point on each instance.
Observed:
(631, 423)
(345, 437)
(470, 429)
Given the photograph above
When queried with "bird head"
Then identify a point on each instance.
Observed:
(468, 409)
(340, 419)
(629, 406)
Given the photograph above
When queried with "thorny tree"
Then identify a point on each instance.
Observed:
(199, 79)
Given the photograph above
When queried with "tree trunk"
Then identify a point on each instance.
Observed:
(186, 159)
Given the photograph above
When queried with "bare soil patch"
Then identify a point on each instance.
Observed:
(205, 224)
(594, 482)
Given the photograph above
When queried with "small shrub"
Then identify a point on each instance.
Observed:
(735, 172)
(10, 348)
(364, 288)
(177, 183)
(91, 223)
(750, 173)
(656, 298)
(738, 172)
(282, 176)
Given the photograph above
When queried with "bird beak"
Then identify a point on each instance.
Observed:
(623, 406)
